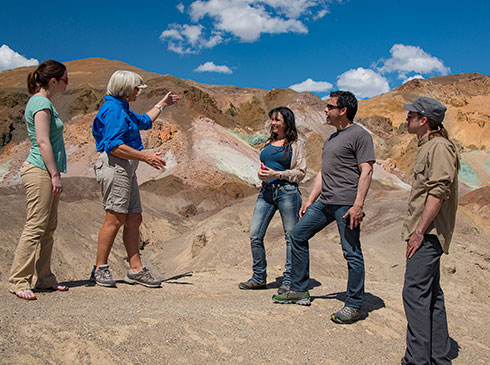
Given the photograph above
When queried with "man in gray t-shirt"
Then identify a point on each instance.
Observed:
(341, 186)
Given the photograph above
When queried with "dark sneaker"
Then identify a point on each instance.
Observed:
(292, 297)
(103, 277)
(251, 285)
(346, 315)
(283, 289)
(403, 361)
(142, 277)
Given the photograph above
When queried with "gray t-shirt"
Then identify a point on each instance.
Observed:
(342, 153)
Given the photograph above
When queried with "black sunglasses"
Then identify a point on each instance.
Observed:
(331, 106)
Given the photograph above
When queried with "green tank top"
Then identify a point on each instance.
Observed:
(35, 104)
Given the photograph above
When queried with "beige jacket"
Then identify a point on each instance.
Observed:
(297, 171)
(436, 173)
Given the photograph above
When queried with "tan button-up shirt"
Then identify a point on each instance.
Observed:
(436, 173)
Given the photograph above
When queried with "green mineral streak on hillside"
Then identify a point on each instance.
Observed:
(252, 140)
(468, 176)
(4, 170)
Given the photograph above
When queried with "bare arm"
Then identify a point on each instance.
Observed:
(42, 122)
(315, 193)
(431, 209)
(167, 100)
(356, 211)
(128, 153)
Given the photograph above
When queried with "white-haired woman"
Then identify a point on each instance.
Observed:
(116, 130)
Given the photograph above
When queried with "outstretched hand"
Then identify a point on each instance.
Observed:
(170, 99)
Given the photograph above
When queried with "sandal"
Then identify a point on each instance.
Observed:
(26, 294)
(58, 287)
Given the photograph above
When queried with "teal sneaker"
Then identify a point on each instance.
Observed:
(292, 297)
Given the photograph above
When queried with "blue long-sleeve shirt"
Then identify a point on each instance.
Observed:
(115, 125)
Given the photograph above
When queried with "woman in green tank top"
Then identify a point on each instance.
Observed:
(41, 177)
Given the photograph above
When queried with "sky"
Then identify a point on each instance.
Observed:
(367, 47)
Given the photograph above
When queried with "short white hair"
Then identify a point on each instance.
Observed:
(122, 83)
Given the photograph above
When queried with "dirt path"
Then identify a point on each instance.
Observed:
(200, 316)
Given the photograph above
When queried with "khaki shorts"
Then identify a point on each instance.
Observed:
(118, 183)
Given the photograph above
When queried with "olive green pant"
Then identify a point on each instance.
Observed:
(32, 260)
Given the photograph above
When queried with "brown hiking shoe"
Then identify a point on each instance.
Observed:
(251, 285)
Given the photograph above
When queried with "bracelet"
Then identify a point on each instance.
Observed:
(159, 107)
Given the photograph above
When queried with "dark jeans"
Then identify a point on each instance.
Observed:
(287, 198)
(317, 217)
(423, 299)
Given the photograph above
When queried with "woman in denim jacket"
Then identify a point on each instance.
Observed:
(283, 166)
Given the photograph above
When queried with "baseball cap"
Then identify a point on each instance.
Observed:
(428, 107)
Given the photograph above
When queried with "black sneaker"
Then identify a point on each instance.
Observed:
(293, 297)
(103, 277)
(142, 277)
(251, 285)
(346, 315)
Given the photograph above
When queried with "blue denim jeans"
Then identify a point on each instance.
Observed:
(317, 217)
(285, 197)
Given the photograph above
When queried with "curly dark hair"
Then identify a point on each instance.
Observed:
(289, 121)
(346, 99)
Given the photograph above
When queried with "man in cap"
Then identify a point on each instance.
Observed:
(428, 229)
(341, 186)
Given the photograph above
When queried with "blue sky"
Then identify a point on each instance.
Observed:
(368, 47)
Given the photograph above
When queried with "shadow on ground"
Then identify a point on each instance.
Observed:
(276, 284)
(371, 302)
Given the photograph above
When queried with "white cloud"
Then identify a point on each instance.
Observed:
(211, 67)
(246, 20)
(413, 78)
(406, 59)
(186, 38)
(320, 14)
(10, 59)
(180, 7)
(364, 83)
(312, 86)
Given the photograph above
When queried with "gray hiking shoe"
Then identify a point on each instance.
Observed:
(283, 289)
(251, 284)
(346, 315)
(142, 277)
(292, 297)
(102, 276)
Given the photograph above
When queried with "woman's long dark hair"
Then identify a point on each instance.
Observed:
(290, 131)
(43, 73)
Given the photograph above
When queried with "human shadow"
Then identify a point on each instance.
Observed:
(172, 280)
(313, 283)
(90, 282)
(454, 351)
(371, 302)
